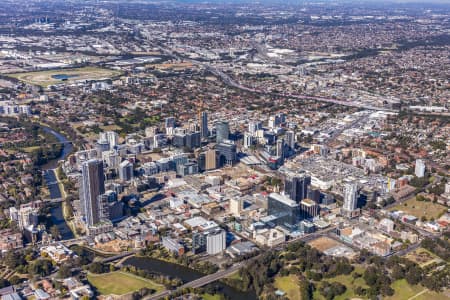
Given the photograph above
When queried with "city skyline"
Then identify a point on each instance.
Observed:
(224, 149)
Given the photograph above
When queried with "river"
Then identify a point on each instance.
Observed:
(184, 273)
(53, 187)
(149, 264)
(67, 149)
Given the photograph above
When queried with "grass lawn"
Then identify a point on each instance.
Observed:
(289, 285)
(30, 149)
(210, 297)
(421, 208)
(235, 275)
(404, 291)
(120, 283)
(351, 285)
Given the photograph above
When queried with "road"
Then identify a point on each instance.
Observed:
(118, 256)
(407, 250)
(422, 231)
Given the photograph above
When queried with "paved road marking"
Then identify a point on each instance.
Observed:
(418, 294)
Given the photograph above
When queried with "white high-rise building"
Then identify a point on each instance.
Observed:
(216, 241)
(272, 122)
(113, 139)
(248, 140)
(420, 168)
(447, 191)
(350, 197)
(280, 148)
(108, 137)
(126, 170)
(111, 158)
(447, 188)
(254, 126)
(27, 216)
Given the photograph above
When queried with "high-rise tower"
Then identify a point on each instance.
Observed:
(350, 197)
(204, 124)
(222, 131)
(296, 187)
(92, 186)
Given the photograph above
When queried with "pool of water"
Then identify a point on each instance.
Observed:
(63, 76)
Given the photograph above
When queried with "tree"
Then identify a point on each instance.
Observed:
(413, 275)
(306, 289)
(15, 280)
(98, 268)
(41, 267)
(14, 259)
(360, 291)
(64, 271)
(54, 230)
(331, 290)
(370, 276)
(398, 272)
(112, 268)
(386, 290)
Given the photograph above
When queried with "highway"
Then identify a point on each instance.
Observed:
(230, 82)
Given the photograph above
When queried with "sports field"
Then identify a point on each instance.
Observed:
(323, 243)
(421, 208)
(121, 283)
(51, 77)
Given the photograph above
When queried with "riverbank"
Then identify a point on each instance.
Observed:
(61, 186)
(66, 211)
(60, 215)
(66, 149)
(184, 273)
